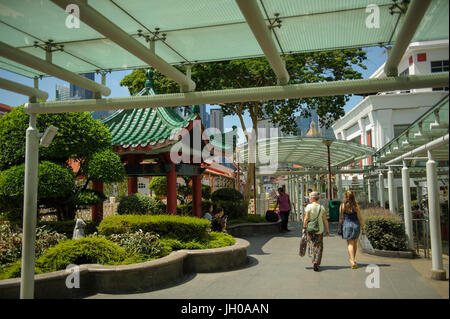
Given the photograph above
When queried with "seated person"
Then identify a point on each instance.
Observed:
(219, 221)
(207, 214)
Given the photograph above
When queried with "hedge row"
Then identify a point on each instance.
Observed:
(183, 228)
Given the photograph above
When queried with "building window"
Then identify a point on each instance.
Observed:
(439, 66)
(141, 185)
(398, 129)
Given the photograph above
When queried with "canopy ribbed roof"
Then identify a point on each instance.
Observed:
(309, 152)
(203, 30)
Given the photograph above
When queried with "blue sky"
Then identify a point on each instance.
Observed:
(375, 58)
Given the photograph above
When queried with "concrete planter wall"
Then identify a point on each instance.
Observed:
(145, 276)
(254, 229)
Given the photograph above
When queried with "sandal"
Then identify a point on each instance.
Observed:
(353, 264)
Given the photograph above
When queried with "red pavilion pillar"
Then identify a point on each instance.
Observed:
(172, 190)
(97, 210)
(132, 181)
(197, 195)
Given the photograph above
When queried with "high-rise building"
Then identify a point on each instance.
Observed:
(62, 92)
(216, 119)
(76, 91)
(204, 115)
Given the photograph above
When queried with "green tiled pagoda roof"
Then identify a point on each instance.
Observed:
(147, 127)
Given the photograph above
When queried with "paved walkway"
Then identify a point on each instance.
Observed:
(276, 271)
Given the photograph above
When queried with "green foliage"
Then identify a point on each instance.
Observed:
(167, 226)
(11, 241)
(87, 198)
(105, 166)
(226, 194)
(118, 190)
(55, 181)
(206, 192)
(187, 209)
(384, 229)
(247, 219)
(141, 243)
(66, 227)
(214, 240)
(158, 184)
(88, 250)
(79, 138)
(231, 201)
(140, 204)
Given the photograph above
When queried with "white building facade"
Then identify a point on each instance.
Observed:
(377, 119)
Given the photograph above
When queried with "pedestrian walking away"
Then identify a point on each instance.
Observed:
(315, 213)
(284, 205)
(352, 225)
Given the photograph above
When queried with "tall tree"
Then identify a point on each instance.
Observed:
(256, 72)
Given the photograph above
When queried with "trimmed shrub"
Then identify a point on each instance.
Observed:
(66, 227)
(214, 240)
(140, 204)
(384, 229)
(226, 194)
(206, 192)
(167, 226)
(88, 250)
(234, 209)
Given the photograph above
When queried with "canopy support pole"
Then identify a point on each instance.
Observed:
(44, 66)
(262, 33)
(437, 271)
(414, 15)
(246, 94)
(101, 24)
(407, 205)
(29, 209)
(381, 189)
(22, 89)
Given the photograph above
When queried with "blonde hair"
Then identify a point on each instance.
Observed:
(349, 202)
(315, 195)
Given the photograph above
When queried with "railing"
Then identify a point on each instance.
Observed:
(421, 233)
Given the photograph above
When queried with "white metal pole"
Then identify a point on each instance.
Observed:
(381, 189)
(339, 186)
(407, 205)
(29, 209)
(369, 191)
(301, 194)
(390, 175)
(437, 271)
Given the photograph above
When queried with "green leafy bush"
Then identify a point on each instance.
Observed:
(206, 192)
(140, 204)
(66, 227)
(54, 181)
(384, 229)
(88, 250)
(147, 244)
(106, 166)
(179, 227)
(158, 184)
(88, 197)
(226, 194)
(11, 241)
(214, 240)
(252, 218)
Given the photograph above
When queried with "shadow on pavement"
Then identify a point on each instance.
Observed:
(324, 268)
